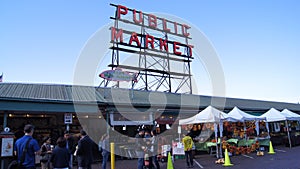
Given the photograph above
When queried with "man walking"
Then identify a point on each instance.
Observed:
(188, 145)
(70, 145)
(140, 148)
(86, 147)
(26, 148)
(105, 149)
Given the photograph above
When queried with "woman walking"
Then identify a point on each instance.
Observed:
(46, 153)
(60, 157)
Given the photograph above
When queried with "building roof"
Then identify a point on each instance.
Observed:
(49, 92)
(84, 95)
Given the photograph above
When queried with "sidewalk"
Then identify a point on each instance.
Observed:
(283, 158)
(132, 164)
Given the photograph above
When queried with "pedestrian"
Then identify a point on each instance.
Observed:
(86, 147)
(46, 153)
(60, 157)
(26, 148)
(70, 145)
(105, 149)
(154, 148)
(188, 145)
(140, 147)
(148, 152)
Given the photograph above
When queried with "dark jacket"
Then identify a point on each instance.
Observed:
(60, 157)
(71, 145)
(86, 149)
(139, 142)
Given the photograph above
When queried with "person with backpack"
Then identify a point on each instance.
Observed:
(26, 148)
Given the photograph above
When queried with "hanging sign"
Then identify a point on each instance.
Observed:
(118, 75)
(68, 118)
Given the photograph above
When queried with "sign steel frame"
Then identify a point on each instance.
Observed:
(155, 54)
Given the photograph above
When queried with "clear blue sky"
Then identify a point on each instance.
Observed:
(257, 41)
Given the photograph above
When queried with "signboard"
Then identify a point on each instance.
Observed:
(177, 148)
(148, 41)
(159, 51)
(131, 119)
(68, 118)
(118, 75)
(7, 147)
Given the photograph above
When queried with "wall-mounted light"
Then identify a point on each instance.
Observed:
(124, 128)
(168, 127)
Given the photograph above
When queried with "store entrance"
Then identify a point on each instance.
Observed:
(46, 124)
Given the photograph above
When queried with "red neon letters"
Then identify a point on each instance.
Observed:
(153, 22)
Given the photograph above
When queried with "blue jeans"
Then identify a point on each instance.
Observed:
(140, 163)
(140, 155)
(105, 154)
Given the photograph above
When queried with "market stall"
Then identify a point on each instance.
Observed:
(238, 128)
(274, 115)
(209, 115)
(294, 119)
(247, 139)
(242, 116)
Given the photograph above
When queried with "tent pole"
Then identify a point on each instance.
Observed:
(288, 132)
(216, 137)
(221, 138)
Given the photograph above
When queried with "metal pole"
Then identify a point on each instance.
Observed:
(68, 127)
(4, 125)
(221, 138)
(288, 132)
(112, 155)
(4, 120)
(216, 137)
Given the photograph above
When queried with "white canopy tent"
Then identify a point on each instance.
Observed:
(290, 115)
(242, 116)
(274, 115)
(209, 115)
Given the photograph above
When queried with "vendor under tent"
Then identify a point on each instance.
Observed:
(209, 115)
(242, 116)
(274, 115)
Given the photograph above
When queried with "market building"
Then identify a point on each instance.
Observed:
(46, 107)
(159, 96)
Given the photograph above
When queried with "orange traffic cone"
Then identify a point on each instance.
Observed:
(227, 159)
(271, 150)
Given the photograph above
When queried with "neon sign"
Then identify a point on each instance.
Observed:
(118, 75)
(148, 41)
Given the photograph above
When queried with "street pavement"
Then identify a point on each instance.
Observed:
(284, 158)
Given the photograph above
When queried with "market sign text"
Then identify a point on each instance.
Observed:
(148, 41)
